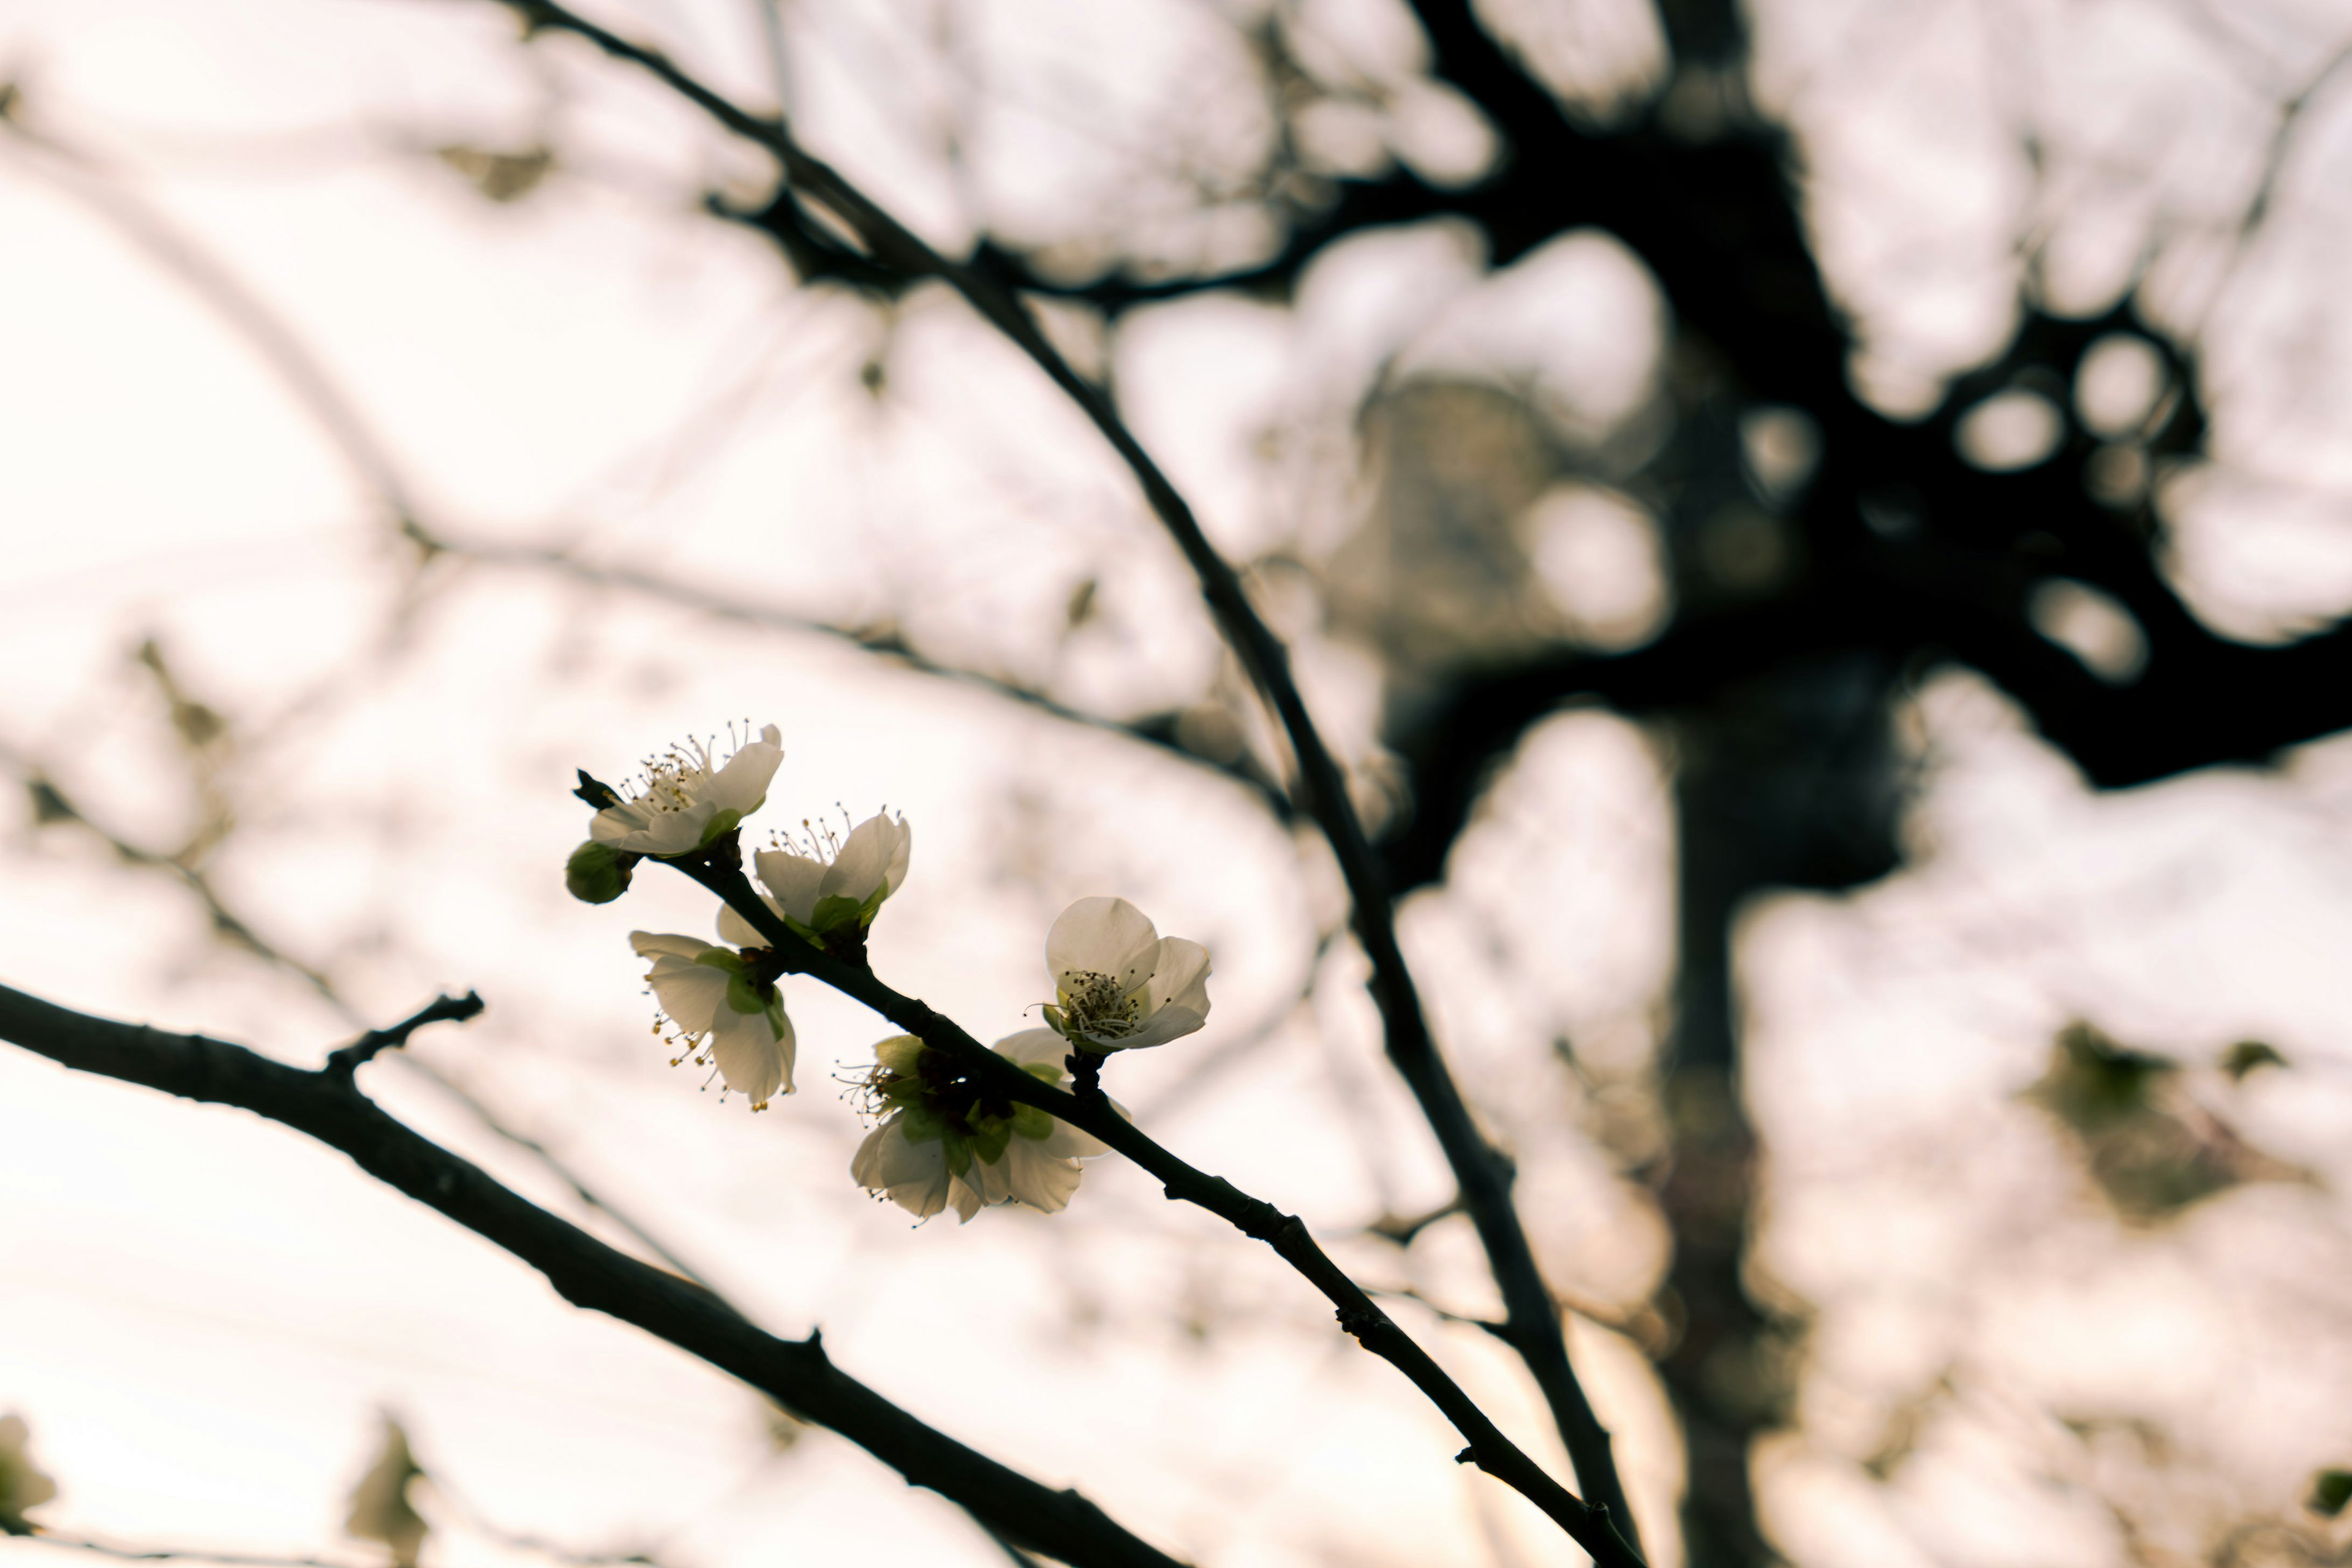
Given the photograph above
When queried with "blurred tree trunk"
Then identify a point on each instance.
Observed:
(1789, 781)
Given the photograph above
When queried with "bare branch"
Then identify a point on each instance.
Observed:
(346, 1062)
(584, 1271)
(1483, 1174)
(719, 868)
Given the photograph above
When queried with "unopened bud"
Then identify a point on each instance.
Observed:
(598, 873)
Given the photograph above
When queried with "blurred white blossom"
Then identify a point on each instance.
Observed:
(945, 1144)
(726, 1008)
(685, 802)
(1120, 985)
(23, 1484)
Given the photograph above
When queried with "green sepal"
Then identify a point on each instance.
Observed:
(1044, 1072)
(991, 1138)
(873, 904)
(720, 824)
(598, 873)
(774, 1009)
(1056, 1021)
(743, 996)
(725, 958)
(2330, 1491)
(922, 1125)
(1032, 1123)
(959, 1149)
(833, 911)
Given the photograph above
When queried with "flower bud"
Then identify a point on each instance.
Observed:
(598, 873)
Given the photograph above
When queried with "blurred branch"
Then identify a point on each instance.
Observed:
(584, 1271)
(886, 642)
(242, 1559)
(51, 805)
(163, 1554)
(1483, 1174)
(1592, 1527)
(99, 189)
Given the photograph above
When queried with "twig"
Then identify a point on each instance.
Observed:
(163, 1554)
(585, 1271)
(1482, 1173)
(347, 1062)
(719, 868)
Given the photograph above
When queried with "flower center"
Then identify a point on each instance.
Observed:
(1095, 1005)
(937, 1085)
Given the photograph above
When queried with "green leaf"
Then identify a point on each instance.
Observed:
(2330, 1490)
(1032, 1123)
(598, 873)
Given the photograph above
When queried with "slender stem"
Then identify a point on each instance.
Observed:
(719, 868)
(585, 1271)
(1481, 1171)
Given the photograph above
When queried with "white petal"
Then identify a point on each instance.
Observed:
(1172, 1022)
(742, 783)
(1037, 1178)
(1032, 1045)
(755, 1060)
(1179, 977)
(915, 1175)
(794, 879)
(663, 833)
(864, 860)
(1102, 936)
(902, 852)
(656, 944)
(692, 993)
(737, 931)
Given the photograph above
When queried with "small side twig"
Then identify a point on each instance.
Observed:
(347, 1062)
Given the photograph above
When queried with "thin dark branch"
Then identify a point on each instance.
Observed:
(347, 1062)
(1485, 1176)
(167, 1554)
(584, 1271)
(53, 804)
(1591, 1527)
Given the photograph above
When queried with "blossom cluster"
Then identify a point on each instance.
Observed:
(941, 1139)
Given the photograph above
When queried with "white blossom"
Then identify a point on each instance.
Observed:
(727, 1010)
(23, 1485)
(1120, 985)
(946, 1144)
(686, 800)
(838, 883)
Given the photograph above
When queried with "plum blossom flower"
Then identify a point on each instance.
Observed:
(686, 799)
(944, 1142)
(1120, 985)
(839, 884)
(23, 1485)
(726, 1010)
